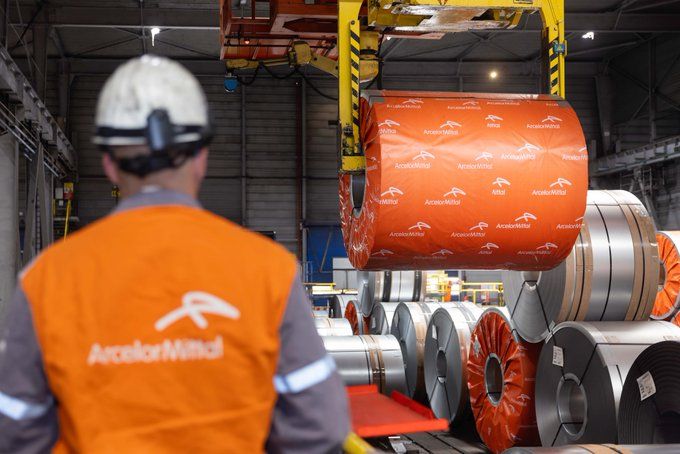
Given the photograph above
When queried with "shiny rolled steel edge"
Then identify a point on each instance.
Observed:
(338, 304)
(391, 286)
(333, 326)
(368, 360)
(577, 398)
(380, 321)
(598, 449)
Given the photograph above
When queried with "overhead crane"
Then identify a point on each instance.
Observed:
(296, 33)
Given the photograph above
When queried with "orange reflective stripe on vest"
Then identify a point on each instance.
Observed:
(159, 332)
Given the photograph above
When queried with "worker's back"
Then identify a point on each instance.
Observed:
(159, 331)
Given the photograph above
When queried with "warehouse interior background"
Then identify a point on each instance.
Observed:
(273, 163)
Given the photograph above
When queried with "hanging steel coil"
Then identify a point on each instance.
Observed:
(610, 275)
(501, 379)
(368, 360)
(358, 322)
(333, 326)
(649, 410)
(391, 286)
(380, 321)
(409, 326)
(446, 354)
(580, 374)
(667, 300)
(338, 304)
(599, 449)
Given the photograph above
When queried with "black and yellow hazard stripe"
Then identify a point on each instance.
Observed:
(355, 55)
(554, 70)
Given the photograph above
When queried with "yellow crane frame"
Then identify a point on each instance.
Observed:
(385, 13)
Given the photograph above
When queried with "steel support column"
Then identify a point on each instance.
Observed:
(652, 91)
(9, 217)
(244, 162)
(40, 38)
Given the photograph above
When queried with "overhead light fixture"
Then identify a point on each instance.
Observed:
(388, 38)
(589, 35)
(246, 41)
(154, 32)
(493, 74)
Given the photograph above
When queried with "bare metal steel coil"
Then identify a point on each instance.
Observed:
(391, 286)
(380, 321)
(610, 275)
(368, 360)
(338, 304)
(409, 326)
(446, 354)
(599, 449)
(649, 410)
(333, 326)
(580, 375)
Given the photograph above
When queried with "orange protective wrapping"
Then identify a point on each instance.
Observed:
(511, 421)
(353, 315)
(666, 302)
(465, 181)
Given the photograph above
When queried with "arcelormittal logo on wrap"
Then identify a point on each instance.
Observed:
(450, 198)
(448, 128)
(488, 248)
(382, 254)
(549, 122)
(576, 225)
(544, 249)
(467, 105)
(476, 231)
(501, 184)
(417, 230)
(483, 161)
(493, 121)
(557, 188)
(580, 155)
(391, 196)
(526, 152)
(408, 104)
(422, 160)
(388, 127)
(522, 221)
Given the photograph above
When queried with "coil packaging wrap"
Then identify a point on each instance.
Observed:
(338, 304)
(600, 449)
(446, 354)
(501, 380)
(581, 371)
(451, 179)
(358, 322)
(368, 360)
(392, 287)
(649, 410)
(409, 326)
(610, 275)
(380, 321)
(668, 299)
(333, 326)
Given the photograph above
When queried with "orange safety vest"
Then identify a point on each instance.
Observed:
(159, 332)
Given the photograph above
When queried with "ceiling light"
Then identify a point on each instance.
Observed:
(154, 32)
(493, 74)
(246, 41)
(589, 35)
(388, 38)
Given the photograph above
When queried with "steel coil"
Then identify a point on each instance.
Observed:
(581, 371)
(409, 326)
(501, 381)
(358, 322)
(446, 354)
(667, 300)
(380, 321)
(600, 449)
(610, 275)
(649, 410)
(333, 326)
(391, 286)
(368, 360)
(338, 304)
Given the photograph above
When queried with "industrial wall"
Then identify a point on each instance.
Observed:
(265, 122)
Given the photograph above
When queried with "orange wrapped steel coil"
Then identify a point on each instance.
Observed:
(356, 319)
(501, 378)
(667, 300)
(465, 181)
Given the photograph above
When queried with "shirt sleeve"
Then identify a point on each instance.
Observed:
(311, 413)
(28, 420)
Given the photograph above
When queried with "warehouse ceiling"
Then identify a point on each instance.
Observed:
(106, 30)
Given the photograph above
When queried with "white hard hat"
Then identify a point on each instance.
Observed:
(151, 87)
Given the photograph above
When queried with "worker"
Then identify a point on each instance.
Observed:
(162, 327)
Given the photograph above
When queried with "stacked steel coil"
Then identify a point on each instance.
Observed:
(446, 354)
(367, 360)
(610, 275)
(649, 409)
(333, 326)
(600, 449)
(501, 378)
(356, 319)
(581, 372)
(409, 326)
(338, 304)
(380, 321)
(391, 286)
(667, 300)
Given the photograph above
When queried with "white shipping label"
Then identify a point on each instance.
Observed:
(558, 356)
(646, 385)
